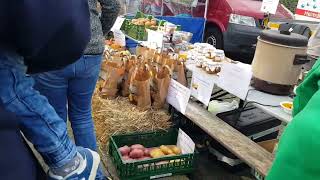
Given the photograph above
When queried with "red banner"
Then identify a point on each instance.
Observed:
(307, 13)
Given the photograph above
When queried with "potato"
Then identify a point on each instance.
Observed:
(153, 27)
(156, 153)
(136, 153)
(125, 158)
(137, 146)
(143, 20)
(124, 150)
(176, 150)
(148, 23)
(153, 22)
(147, 152)
(134, 21)
(166, 149)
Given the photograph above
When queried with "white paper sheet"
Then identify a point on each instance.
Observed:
(269, 6)
(117, 25)
(155, 39)
(103, 75)
(119, 37)
(185, 143)
(178, 96)
(201, 87)
(235, 78)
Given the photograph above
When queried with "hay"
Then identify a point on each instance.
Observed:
(119, 116)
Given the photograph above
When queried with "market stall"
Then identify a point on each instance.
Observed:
(167, 68)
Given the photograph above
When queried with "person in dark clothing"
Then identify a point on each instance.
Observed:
(38, 36)
(16, 158)
(69, 90)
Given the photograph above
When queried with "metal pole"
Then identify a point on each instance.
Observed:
(205, 18)
(206, 9)
(162, 7)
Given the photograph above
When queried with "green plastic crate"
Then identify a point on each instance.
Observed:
(136, 32)
(151, 168)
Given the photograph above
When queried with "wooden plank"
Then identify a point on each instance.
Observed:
(240, 145)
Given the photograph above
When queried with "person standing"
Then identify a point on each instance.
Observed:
(70, 89)
(38, 36)
(313, 48)
(297, 156)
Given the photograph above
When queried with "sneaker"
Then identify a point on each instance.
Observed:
(86, 170)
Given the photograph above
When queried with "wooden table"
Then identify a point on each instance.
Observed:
(256, 96)
(244, 148)
(237, 143)
(270, 99)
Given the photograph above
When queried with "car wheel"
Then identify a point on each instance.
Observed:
(213, 36)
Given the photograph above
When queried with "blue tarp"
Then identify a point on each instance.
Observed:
(193, 25)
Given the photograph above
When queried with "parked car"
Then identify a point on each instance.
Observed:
(234, 25)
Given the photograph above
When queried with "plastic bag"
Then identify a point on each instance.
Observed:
(160, 86)
(140, 87)
(216, 107)
(114, 74)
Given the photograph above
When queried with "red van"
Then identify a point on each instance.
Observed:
(234, 25)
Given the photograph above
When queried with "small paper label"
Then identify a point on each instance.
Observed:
(178, 96)
(269, 6)
(201, 87)
(185, 143)
(119, 38)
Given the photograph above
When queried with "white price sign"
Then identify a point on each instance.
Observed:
(185, 143)
(155, 39)
(178, 96)
(119, 37)
(269, 6)
(201, 87)
(235, 78)
(117, 25)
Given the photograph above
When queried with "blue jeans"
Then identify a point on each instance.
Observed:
(39, 121)
(70, 91)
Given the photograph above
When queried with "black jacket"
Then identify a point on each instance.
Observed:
(16, 159)
(49, 34)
